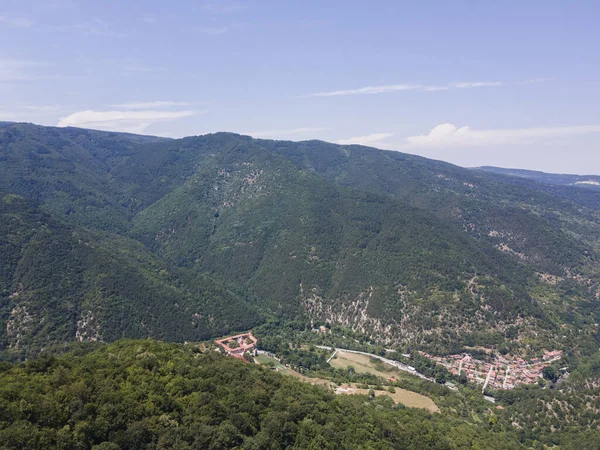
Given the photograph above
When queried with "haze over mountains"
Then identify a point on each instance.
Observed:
(108, 235)
(591, 181)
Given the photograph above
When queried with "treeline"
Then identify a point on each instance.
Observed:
(151, 395)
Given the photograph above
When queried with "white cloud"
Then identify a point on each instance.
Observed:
(134, 121)
(373, 140)
(474, 84)
(370, 90)
(449, 135)
(16, 22)
(417, 87)
(149, 105)
(279, 133)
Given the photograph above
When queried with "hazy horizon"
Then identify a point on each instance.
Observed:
(309, 139)
(444, 80)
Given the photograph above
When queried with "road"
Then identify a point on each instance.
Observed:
(487, 379)
(396, 364)
(332, 356)
(506, 376)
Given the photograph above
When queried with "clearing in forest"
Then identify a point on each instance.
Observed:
(407, 398)
(363, 364)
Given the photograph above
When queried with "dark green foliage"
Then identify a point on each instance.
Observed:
(187, 239)
(149, 395)
(550, 373)
(348, 235)
(59, 283)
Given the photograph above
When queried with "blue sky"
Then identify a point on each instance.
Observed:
(507, 83)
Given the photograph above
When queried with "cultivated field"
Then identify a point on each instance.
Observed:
(363, 364)
(407, 398)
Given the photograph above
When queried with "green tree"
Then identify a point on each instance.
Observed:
(550, 373)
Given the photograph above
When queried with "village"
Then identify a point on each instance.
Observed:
(504, 372)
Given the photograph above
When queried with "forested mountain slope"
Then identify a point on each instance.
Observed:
(541, 224)
(60, 283)
(149, 395)
(401, 248)
(365, 260)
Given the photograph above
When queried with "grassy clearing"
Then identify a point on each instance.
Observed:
(407, 398)
(363, 364)
(265, 360)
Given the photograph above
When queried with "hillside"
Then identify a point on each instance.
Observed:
(60, 283)
(402, 249)
(149, 395)
(303, 244)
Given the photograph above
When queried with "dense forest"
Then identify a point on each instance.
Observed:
(218, 232)
(151, 395)
(144, 394)
(59, 283)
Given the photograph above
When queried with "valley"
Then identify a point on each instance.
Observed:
(379, 274)
(292, 225)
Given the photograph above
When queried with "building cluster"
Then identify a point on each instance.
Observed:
(503, 372)
(237, 345)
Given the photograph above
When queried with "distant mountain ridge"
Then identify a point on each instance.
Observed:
(405, 250)
(591, 181)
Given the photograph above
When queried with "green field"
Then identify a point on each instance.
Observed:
(265, 360)
(363, 364)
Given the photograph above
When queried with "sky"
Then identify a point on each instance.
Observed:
(505, 83)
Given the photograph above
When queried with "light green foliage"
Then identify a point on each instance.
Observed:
(149, 395)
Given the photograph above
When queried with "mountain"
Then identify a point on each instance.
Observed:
(585, 181)
(403, 250)
(60, 283)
